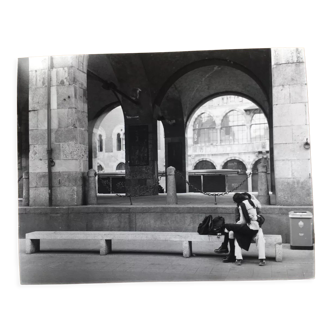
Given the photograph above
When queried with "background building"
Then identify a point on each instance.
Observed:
(227, 132)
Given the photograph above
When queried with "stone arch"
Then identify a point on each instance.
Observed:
(203, 63)
(234, 157)
(93, 127)
(253, 162)
(204, 159)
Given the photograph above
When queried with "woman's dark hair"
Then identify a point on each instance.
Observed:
(247, 195)
(239, 198)
(236, 197)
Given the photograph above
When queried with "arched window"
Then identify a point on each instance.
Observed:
(205, 131)
(259, 128)
(236, 182)
(204, 164)
(120, 167)
(233, 128)
(100, 143)
(118, 142)
(235, 164)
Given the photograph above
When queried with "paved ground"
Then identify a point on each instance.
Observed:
(79, 262)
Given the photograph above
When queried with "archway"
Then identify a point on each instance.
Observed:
(161, 156)
(108, 140)
(229, 131)
(108, 151)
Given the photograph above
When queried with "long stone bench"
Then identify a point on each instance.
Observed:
(33, 239)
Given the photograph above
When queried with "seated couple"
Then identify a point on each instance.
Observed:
(246, 228)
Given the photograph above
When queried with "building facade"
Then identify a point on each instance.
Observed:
(62, 101)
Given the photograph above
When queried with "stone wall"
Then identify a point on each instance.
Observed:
(69, 124)
(142, 218)
(292, 163)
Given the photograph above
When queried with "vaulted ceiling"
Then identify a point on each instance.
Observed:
(173, 84)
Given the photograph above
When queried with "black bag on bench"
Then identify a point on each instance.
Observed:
(211, 226)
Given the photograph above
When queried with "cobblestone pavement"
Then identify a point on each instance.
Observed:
(68, 262)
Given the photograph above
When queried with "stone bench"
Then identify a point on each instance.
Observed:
(105, 238)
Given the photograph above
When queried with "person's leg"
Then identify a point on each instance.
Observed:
(260, 242)
(238, 253)
(223, 249)
(231, 256)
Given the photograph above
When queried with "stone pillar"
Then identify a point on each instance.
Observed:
(69, 129)
(263, 187)
(92, 190)
(171, 186)
(22, 120)
(25, 201)
(218, 127)
(140, 125)
(290, 128)
(249, 181)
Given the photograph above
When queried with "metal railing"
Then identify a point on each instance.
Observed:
(143, 190)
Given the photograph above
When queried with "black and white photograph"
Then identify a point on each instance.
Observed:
(175, 166)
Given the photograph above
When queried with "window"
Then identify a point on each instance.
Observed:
(235, 164)
(118, 142)
(259, 128)
(100, 143)
(205, 131)
(233, 128)
(204, 164)
(120, 167)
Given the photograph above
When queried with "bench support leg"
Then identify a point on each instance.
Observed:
(105, 247)
(187, 249)
(279, 252)
(32, 246)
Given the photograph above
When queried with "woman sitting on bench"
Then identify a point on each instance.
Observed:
(246, 228)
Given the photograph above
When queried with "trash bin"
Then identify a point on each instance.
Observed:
(301, 230)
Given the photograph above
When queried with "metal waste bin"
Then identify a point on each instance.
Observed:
(301, 230)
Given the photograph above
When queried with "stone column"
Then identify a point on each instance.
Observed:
(92, 191)
(69, 129)
(290, 128)
(25, 201)
(249, 181)
(171, 186)
(263, 187)
(218, 134)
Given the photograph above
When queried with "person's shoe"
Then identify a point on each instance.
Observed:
(229, 259)
(262, 262)
(238, 262)
(221, 250)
